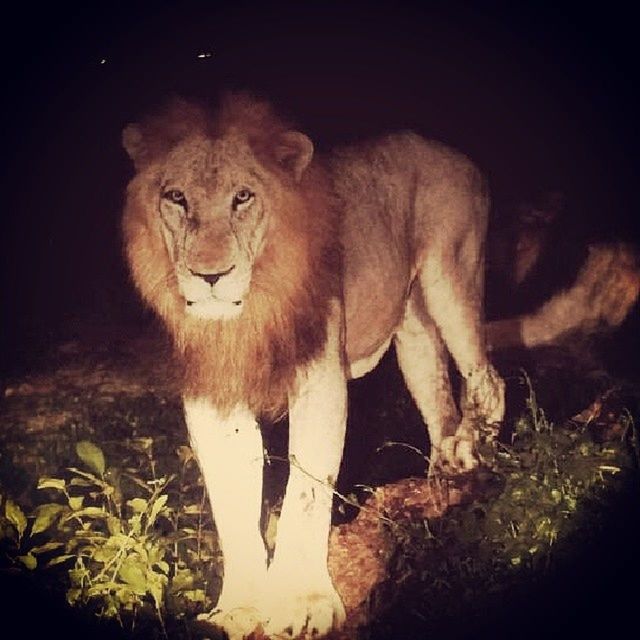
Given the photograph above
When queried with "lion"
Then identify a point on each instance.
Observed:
(280, 274)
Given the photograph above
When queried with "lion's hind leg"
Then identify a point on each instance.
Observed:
(452, 285)
(424, 362)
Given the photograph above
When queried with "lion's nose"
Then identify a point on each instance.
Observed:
(212, 278)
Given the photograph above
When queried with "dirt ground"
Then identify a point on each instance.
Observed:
(84, 387)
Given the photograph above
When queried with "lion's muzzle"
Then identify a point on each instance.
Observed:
(214, 294)
(212, 278)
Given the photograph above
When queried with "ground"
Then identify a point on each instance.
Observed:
(101, 415)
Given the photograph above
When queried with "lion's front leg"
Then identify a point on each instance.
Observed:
(229, 450)
(301, 598)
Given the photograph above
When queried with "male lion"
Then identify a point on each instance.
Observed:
(281, 275)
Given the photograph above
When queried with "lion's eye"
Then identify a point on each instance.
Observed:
(242, 197)
(176, 196)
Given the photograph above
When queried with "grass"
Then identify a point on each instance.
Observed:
(550, 496)
(123, 530)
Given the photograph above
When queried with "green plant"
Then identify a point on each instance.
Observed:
(118, 564)
(133, 545)
(552, 488)
(17, 545)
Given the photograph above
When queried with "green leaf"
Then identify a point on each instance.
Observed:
(109, 608)
(192, 509)
(75, 502)
(100, 589)
(91, 455)
(114, 525)
(155, 551)
(78, 575)
(85, 474)
(79, 482)
(105, 554)
(29, 561)
(141, 553)
(133, 575)
(46, 515)
(59, 560)
(134, 523)
(155, 509)
(272, 528)
(118, 540)
(52, 483)
(47, 546)
(73, 595)
(183, 579)
(86, 534)
(89, 512)
(138, 504)
(195, 595)
(15, 516)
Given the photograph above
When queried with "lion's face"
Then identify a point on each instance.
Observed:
(213, 219)
(231, 233)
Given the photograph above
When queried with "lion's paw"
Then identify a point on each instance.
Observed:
(485, 391)
(238, 623)
(307, 613)
(456, 454)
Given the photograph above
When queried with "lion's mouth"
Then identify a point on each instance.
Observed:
(190, 303)
(213, 308)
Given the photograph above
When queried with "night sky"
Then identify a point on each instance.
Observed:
(538, 98)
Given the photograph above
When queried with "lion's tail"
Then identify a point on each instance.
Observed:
(605, 291)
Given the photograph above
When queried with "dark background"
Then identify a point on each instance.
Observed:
(540, 98)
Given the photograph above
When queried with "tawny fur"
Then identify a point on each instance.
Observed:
(370, 225)
(254, 357)
(602, 296)
(280, 274)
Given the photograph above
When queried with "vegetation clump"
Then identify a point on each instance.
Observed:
(545, 507)
(133, 546)
(135, 542)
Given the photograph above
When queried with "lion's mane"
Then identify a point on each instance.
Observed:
(253, 358)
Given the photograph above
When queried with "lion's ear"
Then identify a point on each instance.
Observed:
(133, 142)
(293, 151)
